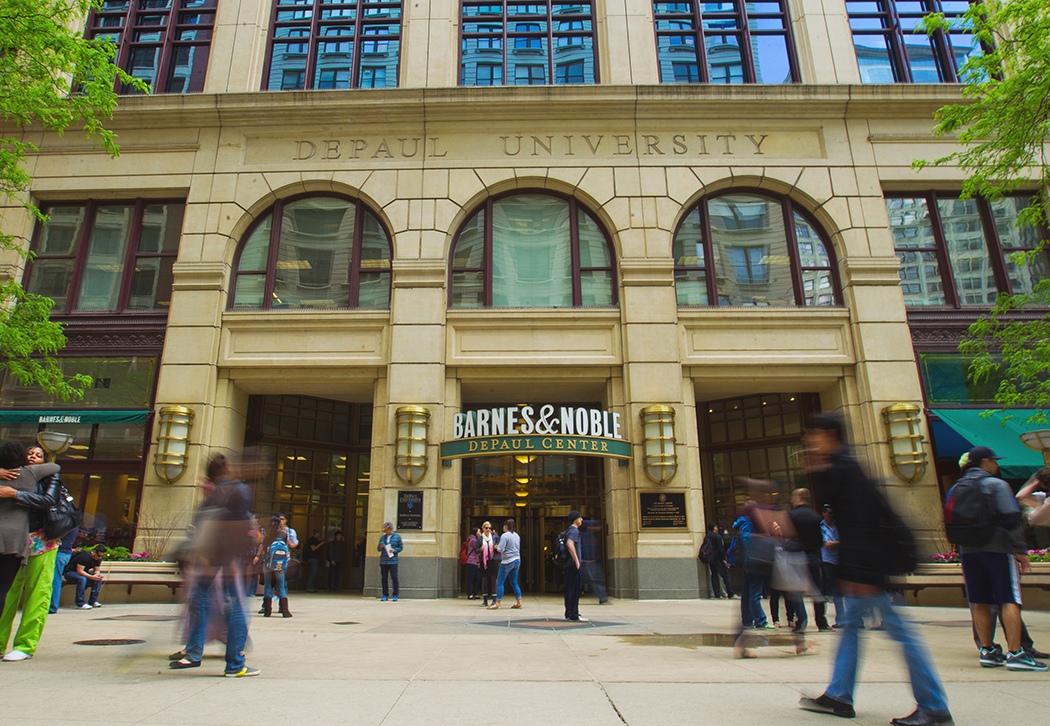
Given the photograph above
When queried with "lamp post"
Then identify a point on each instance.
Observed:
(905, 438)
(54, 443)
(1039, 441)
(660, 459)
(173, 442)
(410, 461)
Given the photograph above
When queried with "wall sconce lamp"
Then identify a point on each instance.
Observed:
(410, 462)
(54, 443)
(173, 442)
(1037, 440)
(660, 459)
(905, 438)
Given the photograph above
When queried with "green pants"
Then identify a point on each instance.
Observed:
(35, 578)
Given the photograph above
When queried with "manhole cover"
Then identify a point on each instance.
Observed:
(109, 641)
(142, 618)
(347, 622)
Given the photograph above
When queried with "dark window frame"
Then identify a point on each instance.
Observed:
(788, 209)
(168, 46)
(894, 34)
(574, 241)
(273, 213)
(508, 38)
(743, 31)
(361, 22)
(79, 255)
(993, 245)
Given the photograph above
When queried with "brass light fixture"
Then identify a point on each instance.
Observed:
(54, 442)
(173, 442)
(410, 462)
(905, 438)
(660, 459)
(1039, 441)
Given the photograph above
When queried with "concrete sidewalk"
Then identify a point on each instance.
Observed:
(350, 660)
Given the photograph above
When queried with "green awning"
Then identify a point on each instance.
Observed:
(83, 416)
(1003, 436)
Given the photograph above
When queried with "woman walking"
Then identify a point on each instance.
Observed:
(509, 547)
(488, 564)
(18, 547)
(473, 573)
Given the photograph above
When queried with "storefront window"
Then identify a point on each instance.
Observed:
(532, 250)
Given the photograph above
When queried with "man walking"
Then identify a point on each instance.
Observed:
(714, 550)
(992, 569)
(390, 545)
(863, 553)
(571, 569)
(807, 527)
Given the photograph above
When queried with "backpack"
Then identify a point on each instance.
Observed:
(969, 516)
(560, 553)
(277, 555)
(735, 555)
(706, 552)
(463, 553)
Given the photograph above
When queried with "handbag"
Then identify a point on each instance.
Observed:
(63, 517)
(791, 571)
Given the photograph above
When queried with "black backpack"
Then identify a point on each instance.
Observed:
(560, 552)
(969, 516)
(707, 551)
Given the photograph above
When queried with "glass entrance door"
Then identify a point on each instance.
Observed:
(538, 492)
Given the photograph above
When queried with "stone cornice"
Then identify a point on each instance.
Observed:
(419, 273)
(626, 104)
(871, 271)
(640, 271)
(200, 275)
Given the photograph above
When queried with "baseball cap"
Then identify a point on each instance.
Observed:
(387, 525)
(979, 454)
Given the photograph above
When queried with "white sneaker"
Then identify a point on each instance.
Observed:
(16, 655)
(85, 606)
(96, 604)
(582, 619)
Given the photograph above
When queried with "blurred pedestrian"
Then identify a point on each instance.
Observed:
(591, 553)
(509, 547)
(313, 553)
(473, 573)
(334, 553)
(807, 529)
(488, 562)
(864, 552)
(755, 574)
(390, 545)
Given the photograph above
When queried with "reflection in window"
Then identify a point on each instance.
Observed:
(531, 250)
(332, 44)
(734, 248)
(892, 49)
(527, 45)
(725, 42)
(314, 252)
(164, 43)
(951, 256)
(102, 241)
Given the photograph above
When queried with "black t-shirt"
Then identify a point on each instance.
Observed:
(311, 553)
(80, 558)
(807, 524)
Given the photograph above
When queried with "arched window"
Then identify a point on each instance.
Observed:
(319, 251)
(531, 250)
(752, 249)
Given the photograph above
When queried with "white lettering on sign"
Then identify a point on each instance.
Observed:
(524, 420)
(59, 419)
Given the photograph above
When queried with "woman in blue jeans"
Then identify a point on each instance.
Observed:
(509, 547)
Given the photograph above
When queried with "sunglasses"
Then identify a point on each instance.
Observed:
(488, 527)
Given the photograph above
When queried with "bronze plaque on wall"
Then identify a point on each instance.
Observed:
(663, 510)
(410, 509)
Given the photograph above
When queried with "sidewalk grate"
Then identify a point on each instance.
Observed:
(109, 641)
(142, 618)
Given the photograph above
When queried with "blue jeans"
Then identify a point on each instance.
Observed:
(593, 575)
(751, 613)
(312, 565)
(268, 577)
(82, 584)
(236, 621)
(925, 685)
(61, 560)
(473, 580)
(388, 571)
(508, 569)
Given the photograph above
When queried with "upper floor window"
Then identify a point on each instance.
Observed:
(162, 42)
(326, 44)
(532, 250)
(892, 49)
(313, 252)
(527, 44)
(752, 249)
(725, 42)
(106, 256)
(957, 252)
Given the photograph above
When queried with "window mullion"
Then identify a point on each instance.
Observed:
(487, 260)
(271, 257)
(355, 256)
(130, 256)
(994, 244)
(80, 255)
(951, 296)
(574, 254)
(792, 244)
(550, 45)
(709, 261)
(896, 38)
(701, 45)
(750, 75)
(313, 49)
